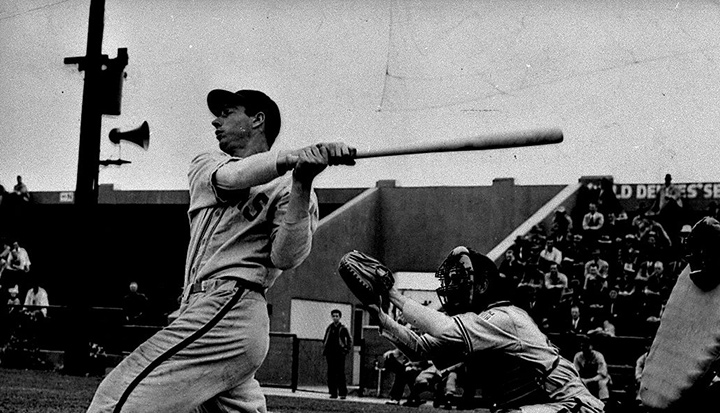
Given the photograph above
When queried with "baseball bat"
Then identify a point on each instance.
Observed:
(531, 137)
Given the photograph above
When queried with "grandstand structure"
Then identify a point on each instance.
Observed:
(411, 229)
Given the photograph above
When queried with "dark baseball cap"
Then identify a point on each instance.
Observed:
(253, 101)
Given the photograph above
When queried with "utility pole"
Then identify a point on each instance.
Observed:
(101, 95)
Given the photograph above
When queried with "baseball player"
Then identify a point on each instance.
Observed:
(249, 220)
(517, 367)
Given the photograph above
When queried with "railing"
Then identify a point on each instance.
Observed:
(117, 338)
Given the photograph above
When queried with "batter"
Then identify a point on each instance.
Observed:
(249, 221)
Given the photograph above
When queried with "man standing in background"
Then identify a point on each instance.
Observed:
(336, 345)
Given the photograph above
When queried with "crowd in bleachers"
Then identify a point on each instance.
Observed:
(611, 273)
(25, 301)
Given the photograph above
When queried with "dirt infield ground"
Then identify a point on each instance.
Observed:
(33, 391)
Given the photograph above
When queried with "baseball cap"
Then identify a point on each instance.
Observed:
(253, 101)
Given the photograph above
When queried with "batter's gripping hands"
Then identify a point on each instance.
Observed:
(367, 278)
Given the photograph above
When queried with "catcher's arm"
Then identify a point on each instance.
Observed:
(418, 347)
(431, 321)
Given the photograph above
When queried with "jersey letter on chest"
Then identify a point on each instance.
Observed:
(253, 208)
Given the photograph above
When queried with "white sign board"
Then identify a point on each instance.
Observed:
(309, 319)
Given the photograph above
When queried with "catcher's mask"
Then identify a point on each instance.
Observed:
(464, 278)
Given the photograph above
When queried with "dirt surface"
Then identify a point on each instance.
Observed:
(34, 391)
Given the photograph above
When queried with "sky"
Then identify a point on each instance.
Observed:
(634, 86)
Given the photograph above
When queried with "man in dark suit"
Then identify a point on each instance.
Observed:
(336, 345)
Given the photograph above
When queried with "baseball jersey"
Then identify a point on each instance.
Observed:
(510, 329)
(242, 234)
(504, 331)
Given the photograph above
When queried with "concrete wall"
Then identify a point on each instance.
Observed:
(353, 226)
(422, 225)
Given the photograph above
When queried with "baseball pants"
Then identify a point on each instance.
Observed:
(214, 372)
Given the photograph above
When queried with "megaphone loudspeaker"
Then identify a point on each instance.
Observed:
(140, 136)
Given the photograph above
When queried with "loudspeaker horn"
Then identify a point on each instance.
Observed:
(140, 136)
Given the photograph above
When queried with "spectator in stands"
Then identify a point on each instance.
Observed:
(669, 195)
(680, 253)
(608, 204)
(549, 255)
(606, 328)
(623, 224)
(19, 260)
(593, 370)
(135, 305)
(562, 226)
(592, 224)
(652, 248)
(574, 257)
(17, 265)
(532, 277)
(36, 300)
(603, 267)
(655, 277)
(573, 296)
(337, 344)
(522, 248)
(527, 299)
(576, 323)
(21, 191)
(511, 268)
(669, 207)
(556, 283)
(4, 258)
(595, 294)
(628, 256)
(13, 300)
(593, 275)
(611, 309)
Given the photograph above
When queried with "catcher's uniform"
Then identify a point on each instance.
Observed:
(513, 361)
(239, 243)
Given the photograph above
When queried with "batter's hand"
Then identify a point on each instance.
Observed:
(338, 153)
(310, 162)
(335, 153)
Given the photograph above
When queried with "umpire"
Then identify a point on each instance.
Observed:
(336, 345)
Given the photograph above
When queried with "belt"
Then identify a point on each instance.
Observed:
(207, 286)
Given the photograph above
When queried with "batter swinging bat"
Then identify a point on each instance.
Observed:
(530, 137)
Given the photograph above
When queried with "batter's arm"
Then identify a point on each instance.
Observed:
(254, 170)
(292, 241)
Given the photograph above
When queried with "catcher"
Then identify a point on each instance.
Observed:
(516, 366)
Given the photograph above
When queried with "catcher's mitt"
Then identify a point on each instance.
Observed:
(367, 278)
